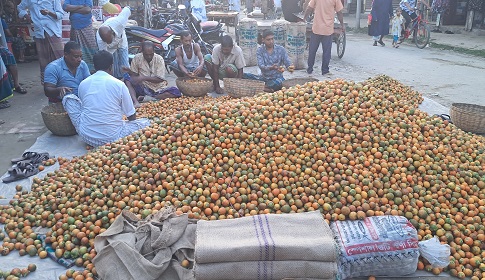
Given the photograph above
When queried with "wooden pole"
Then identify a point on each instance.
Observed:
(469, 20)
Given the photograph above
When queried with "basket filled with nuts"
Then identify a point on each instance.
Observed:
(57, 120)
(194, 87)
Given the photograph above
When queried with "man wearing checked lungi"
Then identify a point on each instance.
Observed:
(82, 30)
(46, 15)
(111, 37)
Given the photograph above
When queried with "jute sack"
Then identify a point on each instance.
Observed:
(302, 236)
(279, 28)
(265, 270)
(146, 249)
(248, 40)
(296, 44)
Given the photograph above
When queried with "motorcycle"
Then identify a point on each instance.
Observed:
(208, 31)
(165, 40)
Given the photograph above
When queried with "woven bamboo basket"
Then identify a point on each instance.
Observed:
(468, 117)
(297, 81)
(237, 88)
(57, 120)
(194, 87)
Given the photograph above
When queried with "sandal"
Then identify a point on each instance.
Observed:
(146, 98)
(21, 164)
(21, 173)
(4, 104)
(32, 156)
(20, 90)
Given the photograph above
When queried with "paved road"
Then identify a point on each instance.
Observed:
(444, 76)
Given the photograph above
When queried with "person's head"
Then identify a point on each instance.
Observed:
(186, 38)
(226, 44)
(9, 7)
(103, 61)
(73, 54)
(107, 34)
(398, 11)
(148, 50)
(268, 38)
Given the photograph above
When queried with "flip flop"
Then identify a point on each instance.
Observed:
(21, 173)
(20, 164)
(20, 90)
(32, 156)
(146, 98)
(4, 104)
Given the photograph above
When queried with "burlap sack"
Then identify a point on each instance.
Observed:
(146, 249)
(248, 40)
(279, 28)
(302, 236)
(265, 270)
(296, 44)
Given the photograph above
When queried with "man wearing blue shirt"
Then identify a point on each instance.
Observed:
(82, 30)
(63, 76)
(46, 15)
(272, 61)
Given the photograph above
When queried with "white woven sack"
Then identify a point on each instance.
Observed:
(296, 44)
(248, 40)
(279, 28)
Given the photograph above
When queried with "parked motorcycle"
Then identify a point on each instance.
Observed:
(208, 31)
(165, 40)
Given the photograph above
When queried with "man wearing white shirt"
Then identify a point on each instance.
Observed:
(97, 114)
(46, 15)
(111, 37)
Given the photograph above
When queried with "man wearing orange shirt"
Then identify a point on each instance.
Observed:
(322, 30)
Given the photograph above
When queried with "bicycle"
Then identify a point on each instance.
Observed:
(420, 30)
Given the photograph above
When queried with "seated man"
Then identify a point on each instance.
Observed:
(271, 59)
(63, 75)
(103, 100)
(145, 79)
(189, 61)
(9, 61)
(227, 61)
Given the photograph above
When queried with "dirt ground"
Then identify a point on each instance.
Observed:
(444, 76)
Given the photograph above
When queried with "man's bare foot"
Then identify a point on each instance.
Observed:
(267, 89)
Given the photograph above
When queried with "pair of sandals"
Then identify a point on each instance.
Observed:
(25, 166)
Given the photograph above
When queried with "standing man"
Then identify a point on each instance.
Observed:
(146, 77)
(111, 37)
(189, 60)
(63, 75)
(97, 114)
(46, 16)
(226, 61)
(272, 60)
(322, 30)
(81, 28)
(18, 44)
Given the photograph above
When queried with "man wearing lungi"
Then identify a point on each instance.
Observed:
(81, 28)
(272, 61)
(97, 114)
(111, 37)
(46, 15)
(146, 77)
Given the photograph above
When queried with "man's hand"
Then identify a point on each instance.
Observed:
(274, 67)
(44, 12)
(198, 70)
(219, 90)
(27, 18)
(342, 27)
(191, 74)
(63, 91)
(126, 69)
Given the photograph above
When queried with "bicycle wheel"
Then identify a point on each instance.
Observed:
(421, 35)
(341, 42)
